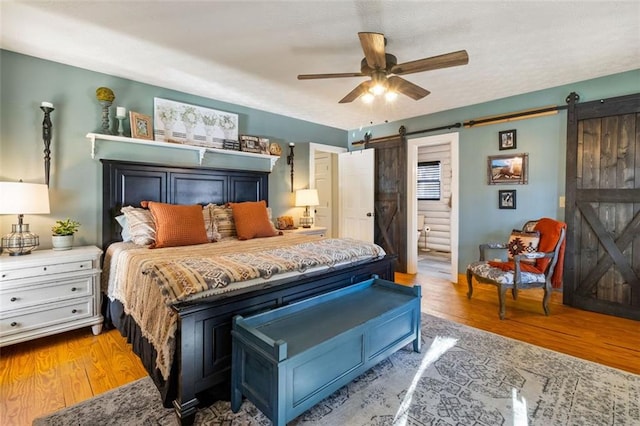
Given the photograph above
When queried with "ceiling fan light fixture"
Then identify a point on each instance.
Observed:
(391, 96)
(367, 98)
(379, 83)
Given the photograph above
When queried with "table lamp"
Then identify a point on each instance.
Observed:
(22, 198)
(306, 198)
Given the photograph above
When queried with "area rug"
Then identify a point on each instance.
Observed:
(463, 376)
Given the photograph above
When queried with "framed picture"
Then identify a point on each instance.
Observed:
(141, 127)
(507, 199)
(508, 169)
(507, 139)
(178, 122)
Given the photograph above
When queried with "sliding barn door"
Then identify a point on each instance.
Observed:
(602, 262)
(390, 202)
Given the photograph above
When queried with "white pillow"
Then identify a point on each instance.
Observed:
(124, 224)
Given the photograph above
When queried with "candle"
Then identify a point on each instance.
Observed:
(121, 112)
(46, 104)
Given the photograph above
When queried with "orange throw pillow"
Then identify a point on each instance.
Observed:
(178, 225)
(252, 220)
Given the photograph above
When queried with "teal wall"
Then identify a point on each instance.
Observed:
(543, 138)
(75, 186)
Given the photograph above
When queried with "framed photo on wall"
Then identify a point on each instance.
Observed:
(507, 199)
(141, 127)
(509, 169)
(507, 139)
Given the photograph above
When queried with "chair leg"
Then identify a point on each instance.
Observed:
(545, 299)
(501, 297)
(514, 293)
(469, 283)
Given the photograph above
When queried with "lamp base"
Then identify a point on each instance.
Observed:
(20, 241)
(306, 221)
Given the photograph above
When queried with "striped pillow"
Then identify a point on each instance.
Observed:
(142, 228)
(209, 223)
(223, 217)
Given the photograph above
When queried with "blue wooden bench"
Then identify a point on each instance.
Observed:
(288, 359)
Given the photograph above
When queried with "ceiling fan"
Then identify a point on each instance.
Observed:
(384, 69)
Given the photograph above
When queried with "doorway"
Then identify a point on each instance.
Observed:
(323, 172)
(445, 265)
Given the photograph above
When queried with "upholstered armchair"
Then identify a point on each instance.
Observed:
(535, 258)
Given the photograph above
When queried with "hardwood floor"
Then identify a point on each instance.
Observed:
(45, 375)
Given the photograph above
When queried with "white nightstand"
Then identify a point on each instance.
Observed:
(48, 292)
(314, 230)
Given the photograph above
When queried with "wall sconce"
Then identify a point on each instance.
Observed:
(47, 107)
(290, 161)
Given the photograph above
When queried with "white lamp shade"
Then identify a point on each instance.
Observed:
(24, 198)
(307, 197)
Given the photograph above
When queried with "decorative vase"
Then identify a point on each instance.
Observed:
(62, 242)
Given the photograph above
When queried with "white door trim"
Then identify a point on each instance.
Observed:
(452, 139)
(313, 147)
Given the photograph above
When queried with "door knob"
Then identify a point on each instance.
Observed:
(369, 214)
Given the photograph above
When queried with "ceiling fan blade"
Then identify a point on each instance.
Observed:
(361, 89)
(433, 63)
(373, 48)
(336, 75)
(405, 87)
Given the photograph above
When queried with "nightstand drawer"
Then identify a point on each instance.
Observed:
(70, 288)
(54, 268)
(32, 318)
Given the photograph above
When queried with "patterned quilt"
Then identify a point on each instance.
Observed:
(147, 282)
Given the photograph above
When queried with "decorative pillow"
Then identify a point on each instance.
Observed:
(125, 233)
(521, 243)
(178, 225)
(223, 217)
(142, 228)
(209, 223)
(252, 220)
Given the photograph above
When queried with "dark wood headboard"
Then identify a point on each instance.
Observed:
(127, 184)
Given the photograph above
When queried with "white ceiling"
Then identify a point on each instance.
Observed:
(250, 52)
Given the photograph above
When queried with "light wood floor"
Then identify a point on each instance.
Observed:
(47, 374)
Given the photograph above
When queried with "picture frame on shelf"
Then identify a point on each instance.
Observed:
(507, 139)
(507, 199)
(508, 169)
(141, 126)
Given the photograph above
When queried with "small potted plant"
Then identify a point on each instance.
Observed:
(63, 231)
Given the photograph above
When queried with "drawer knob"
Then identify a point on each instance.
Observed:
(13, 324)
(13, 299)
(4, 275)
(73, 289)
(45, 268)
(74, 311)
(82, 266)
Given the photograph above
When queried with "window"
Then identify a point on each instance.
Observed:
(429, 174)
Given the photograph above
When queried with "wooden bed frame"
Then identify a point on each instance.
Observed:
(201, 369)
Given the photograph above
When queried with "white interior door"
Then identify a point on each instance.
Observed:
(356, 189)
(323, 184)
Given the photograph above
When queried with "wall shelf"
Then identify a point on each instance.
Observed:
(201, 151)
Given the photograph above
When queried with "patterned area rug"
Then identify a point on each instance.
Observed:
(463, 376)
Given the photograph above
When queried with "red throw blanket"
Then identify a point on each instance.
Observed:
(550, 230)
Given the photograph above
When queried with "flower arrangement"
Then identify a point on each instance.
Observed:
(189, 116)
(167, 114)
(209, 120)
(65, 227)
(227, 123)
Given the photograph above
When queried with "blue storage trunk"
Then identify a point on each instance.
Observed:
(288, 359)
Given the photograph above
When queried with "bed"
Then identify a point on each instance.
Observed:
(199, 368)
